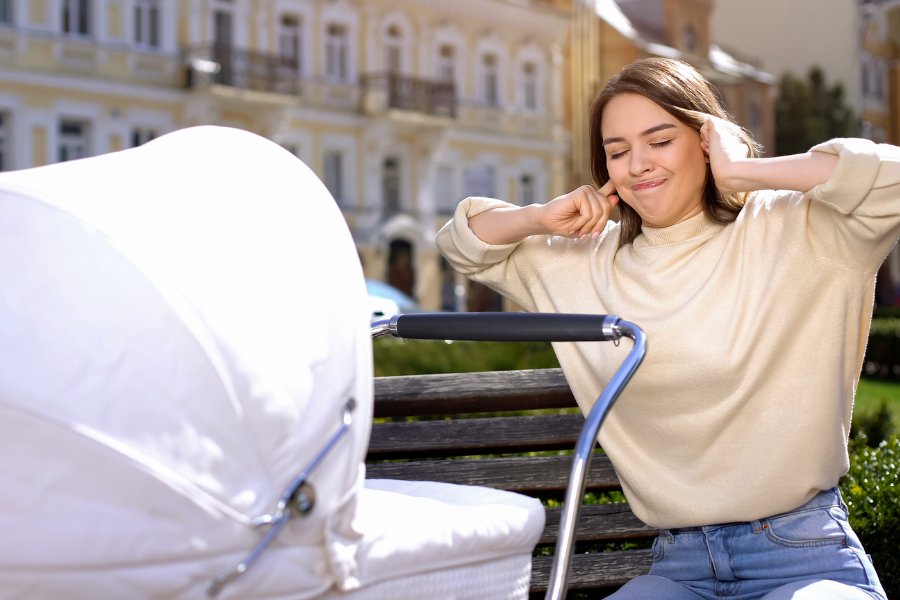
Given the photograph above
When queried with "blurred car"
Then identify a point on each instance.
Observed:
(387, 301)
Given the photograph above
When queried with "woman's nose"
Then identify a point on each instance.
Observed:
(639, 163)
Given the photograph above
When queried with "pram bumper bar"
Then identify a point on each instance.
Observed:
(501, 327)
(530, 327)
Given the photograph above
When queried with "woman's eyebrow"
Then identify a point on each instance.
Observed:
(654, 129)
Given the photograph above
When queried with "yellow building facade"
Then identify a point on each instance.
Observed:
(401, 107)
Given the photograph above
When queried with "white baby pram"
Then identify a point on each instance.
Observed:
(185, 394)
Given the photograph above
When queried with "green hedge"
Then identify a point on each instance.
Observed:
(871, 490)
(883, 349)
(886, 312)
(413, 357)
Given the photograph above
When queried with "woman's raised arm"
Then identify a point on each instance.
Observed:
(580, 213)
(734, 172)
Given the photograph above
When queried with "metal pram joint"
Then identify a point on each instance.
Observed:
(299, 499)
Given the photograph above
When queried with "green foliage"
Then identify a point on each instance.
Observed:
(810, 111)
(871, 490)
(886, 326)
(875, 426)
(883, 349)
(415, 357)
(886, 312)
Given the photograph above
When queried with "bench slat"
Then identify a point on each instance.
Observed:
(600, 522)
(454, 393)
(597, 570)
(493, 435)
(525, 474)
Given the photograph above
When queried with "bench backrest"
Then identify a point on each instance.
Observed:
(512, 430)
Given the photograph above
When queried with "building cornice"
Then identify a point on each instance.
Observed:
(80, 83)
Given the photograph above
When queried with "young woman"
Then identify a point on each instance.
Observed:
(732, 436)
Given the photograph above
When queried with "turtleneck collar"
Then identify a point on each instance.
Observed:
(683, 230)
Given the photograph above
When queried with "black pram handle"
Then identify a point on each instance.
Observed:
(506, 327)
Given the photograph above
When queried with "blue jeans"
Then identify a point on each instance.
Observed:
(808, 553)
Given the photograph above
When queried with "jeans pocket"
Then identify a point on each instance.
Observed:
(657, 550)
(804, 528)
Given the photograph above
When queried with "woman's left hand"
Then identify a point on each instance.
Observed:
(724, 148)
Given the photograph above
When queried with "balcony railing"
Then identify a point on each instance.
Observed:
(384, 91)
(241, 68)
(259, 71)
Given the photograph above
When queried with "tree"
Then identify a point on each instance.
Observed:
(810, 111)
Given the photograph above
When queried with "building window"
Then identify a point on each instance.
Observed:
(142, 135)
(490, 80)
(336, 52)
(73, 142)
(290, 42)
(4, 127)
(76, 17)
(527, 192)
(6, 11)
(393, 46)
(446, 63)
(869, 76)
(146, 23)
(390, 186)
(480, 181)
(444, 193)
(529, 86)
(690, 38)
(334, 174)
(754, 121)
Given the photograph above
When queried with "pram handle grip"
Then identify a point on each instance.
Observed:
(502, 327)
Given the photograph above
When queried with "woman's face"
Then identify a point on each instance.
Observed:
(654, 160)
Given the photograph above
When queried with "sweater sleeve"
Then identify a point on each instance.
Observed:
(857, 211)
(489, 264)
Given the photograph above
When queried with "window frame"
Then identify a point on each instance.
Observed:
(337, 52)
(148, 24)
(75, 17)
(65, 141)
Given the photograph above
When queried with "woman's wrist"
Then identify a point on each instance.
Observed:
(507, 225)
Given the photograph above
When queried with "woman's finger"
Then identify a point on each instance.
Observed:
(603, 205)
(588, 210)
(607, 188)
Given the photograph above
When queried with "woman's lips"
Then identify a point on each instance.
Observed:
(646, 185)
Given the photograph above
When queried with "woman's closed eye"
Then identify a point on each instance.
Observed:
(617, 153)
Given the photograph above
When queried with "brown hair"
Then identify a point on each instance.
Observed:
(684, 93)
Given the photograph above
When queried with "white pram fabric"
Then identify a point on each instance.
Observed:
(180, 326)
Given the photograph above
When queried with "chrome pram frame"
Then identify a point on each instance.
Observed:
(541, 327)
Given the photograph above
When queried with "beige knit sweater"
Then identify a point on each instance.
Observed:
(756, 332)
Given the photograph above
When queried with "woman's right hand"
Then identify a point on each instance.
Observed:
(582, 212)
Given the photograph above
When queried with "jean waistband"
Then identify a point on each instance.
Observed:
(829, 497)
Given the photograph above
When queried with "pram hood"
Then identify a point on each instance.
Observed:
(180, 326)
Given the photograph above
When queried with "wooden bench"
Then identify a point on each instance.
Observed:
(453, 440)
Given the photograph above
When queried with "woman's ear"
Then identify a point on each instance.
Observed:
(616, 214)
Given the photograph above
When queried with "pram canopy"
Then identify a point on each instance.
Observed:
(181, 327)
